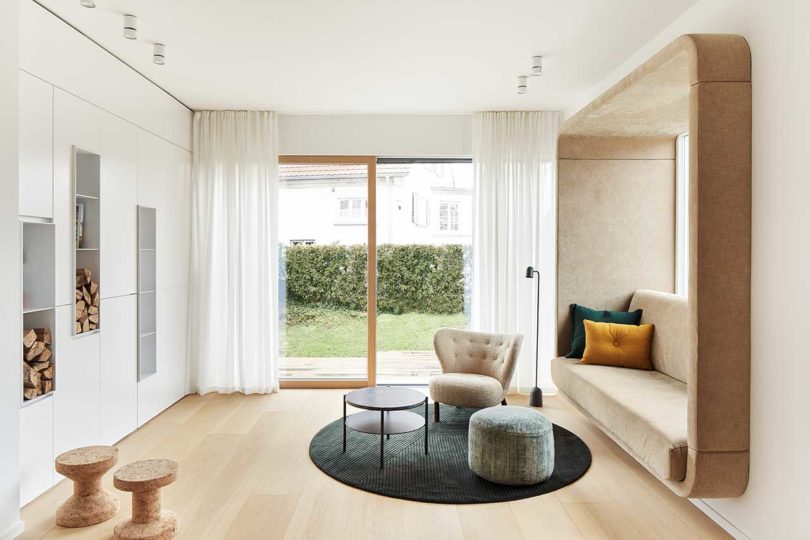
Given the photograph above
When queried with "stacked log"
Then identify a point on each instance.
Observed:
(38, 369)
(88, 300)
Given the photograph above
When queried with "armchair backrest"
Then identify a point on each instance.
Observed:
(479, 353)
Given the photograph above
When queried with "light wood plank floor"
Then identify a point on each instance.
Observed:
(245, 473)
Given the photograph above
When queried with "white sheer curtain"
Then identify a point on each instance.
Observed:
(233, 297)
(515, 168)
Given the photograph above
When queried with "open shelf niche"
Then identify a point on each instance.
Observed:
(87, 238)
(147, 295)
(38, 365)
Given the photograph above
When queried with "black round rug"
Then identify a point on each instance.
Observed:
(443, 476)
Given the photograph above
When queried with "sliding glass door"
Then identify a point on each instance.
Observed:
(415, 251)
(424, 237)
(324, 232)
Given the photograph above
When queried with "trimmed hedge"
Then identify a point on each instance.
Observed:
(411, 278)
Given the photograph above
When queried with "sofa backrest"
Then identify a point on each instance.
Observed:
(670, 344)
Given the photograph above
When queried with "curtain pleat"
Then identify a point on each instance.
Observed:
(515, 171)
(233, 301)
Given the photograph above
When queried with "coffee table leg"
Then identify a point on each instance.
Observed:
(344, 423)
(382, 437)
(426, 426)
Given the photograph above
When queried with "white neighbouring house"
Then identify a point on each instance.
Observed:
(417, 203)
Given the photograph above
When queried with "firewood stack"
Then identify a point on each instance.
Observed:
(87, 301)
(37, 366)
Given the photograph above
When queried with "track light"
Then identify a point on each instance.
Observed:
(537, 65)
(521, 84)
(87, 3)
(130, 27)
(159, 54)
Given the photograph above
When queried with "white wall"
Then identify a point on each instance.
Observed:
(387, 135)
(778, 496)
(9, 275)
(73, 93)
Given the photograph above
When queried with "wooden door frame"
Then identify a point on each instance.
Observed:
(371, 272)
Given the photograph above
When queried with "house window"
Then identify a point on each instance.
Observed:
(448, 216)
(353, 209)
(682, 214)
(419, 210)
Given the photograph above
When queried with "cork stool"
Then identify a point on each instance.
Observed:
(144, 479)
(90, 503)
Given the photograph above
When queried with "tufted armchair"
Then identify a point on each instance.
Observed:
(477, 368)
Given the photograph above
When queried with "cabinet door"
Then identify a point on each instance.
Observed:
(164, 183)
(76, 123)
(119, 199)
(36, 449)
(36, 147)
(76, 398)
(119, 386)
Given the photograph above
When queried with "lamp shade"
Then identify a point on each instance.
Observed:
(530, 272)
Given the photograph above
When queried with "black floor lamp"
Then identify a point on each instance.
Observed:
(536, 396)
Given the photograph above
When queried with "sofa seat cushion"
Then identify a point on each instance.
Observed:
(466, 390)
(646, 411)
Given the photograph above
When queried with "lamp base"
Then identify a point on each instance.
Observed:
(536, 397)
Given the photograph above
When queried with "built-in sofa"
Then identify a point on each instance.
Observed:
(686, 421)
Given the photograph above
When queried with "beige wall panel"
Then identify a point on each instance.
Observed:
(616, 233)
(596, 147)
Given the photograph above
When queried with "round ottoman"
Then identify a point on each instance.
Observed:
(511, 445)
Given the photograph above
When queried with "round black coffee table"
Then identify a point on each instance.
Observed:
(386, 413)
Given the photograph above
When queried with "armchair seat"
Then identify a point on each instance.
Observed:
(477, 368)
(466, 390)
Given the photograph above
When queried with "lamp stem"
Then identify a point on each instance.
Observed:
(536, 396)
(537, 332)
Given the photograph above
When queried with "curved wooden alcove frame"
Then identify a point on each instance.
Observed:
(699, 84)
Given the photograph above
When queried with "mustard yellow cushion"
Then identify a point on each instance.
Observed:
(619, 345)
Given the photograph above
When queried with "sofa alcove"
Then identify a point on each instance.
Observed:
(616, 236)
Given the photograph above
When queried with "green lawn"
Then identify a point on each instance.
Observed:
(331, 332)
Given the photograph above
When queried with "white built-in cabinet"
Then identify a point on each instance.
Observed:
(119, 387)
(37, 276)
(164, 184)
(76, 126)
(36, 443)
(76, 399)
(36, 147)
(119, 193)
(97, 397)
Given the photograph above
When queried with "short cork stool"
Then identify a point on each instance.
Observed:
(144, 479)
(90, 503)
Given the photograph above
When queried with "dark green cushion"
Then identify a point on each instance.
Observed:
(582, 313)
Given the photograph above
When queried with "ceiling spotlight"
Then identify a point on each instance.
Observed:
(87, 3)
(130, 27)
(159, 54)
(521, 84)
(537, 65)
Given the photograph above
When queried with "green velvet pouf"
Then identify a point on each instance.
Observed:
(511, 445)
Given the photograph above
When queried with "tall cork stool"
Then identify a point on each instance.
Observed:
(144, 479)
(90, 503)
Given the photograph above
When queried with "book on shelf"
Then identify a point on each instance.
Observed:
(79, 224)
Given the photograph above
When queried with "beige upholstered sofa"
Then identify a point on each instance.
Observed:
(477, 368)
(644, 411)
(617, 180)
(648, 413)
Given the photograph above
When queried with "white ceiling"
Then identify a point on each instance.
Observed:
(374, 56)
